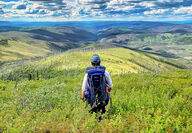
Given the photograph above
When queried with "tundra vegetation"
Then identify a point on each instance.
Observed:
(150, 94)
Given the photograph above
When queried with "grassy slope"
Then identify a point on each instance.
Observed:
(117, 61)
(141, 102)
(15, 45)
(17, 50)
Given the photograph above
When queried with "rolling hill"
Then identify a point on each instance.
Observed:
(174, 29)
(117, 61)
(168, 41)
(40, 41)
(150, 94)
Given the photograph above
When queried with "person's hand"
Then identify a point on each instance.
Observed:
(83, 99)
(109, 89)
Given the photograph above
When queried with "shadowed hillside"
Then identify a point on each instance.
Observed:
(35, 42)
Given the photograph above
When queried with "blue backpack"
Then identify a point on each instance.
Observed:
(96, 88)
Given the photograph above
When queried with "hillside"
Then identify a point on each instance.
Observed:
(155, 97)
(168, 41)
(40, 41)
(11, 50)
(117, 61)
(174, 31)
(150, 39)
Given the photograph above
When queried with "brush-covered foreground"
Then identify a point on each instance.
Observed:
(48, 98)
(143, 102)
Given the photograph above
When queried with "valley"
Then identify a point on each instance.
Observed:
(166, 39)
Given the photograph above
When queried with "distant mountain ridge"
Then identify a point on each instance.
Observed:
(180, 33)
(98, 26)
(89, 25)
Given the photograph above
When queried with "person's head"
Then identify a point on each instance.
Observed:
(95, 60)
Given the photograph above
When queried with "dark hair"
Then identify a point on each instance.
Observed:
(95, 60)
(95, 64)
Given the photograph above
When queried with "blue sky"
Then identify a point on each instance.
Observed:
(87, 10)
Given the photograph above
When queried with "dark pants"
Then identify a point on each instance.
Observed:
(99, 108)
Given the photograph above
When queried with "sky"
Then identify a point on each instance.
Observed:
(95, 10)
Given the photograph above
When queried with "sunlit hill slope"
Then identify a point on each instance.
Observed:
(117, 61)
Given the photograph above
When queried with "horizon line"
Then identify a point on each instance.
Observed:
(96, 21)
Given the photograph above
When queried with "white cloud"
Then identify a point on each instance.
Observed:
(184, 10)
(158, 11)
(123, 8)
(117, 2)
(119, 5)
(146, 4)
(8, 3)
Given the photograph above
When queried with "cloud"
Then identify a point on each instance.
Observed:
(184, 10)
(129, 7)
(147, 4)
(158, 11)
(48, 8)
(94, 5)
(93, 9)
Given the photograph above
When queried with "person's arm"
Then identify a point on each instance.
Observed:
(83, 95)
(84, 87)
(109, 81)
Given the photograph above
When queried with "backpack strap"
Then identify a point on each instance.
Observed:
(98, 70)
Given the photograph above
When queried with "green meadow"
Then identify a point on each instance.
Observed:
(150, 94)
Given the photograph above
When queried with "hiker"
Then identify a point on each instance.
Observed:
(96, 86)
